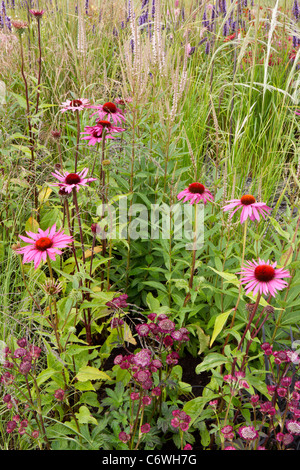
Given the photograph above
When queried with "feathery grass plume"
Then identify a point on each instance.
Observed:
(81, 37)
(157, 41)
(273, 24)
(179, 86)
(135, 58)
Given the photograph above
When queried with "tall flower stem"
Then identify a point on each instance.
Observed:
(71, 232)
(251, 316)
(193, 256)
(40, 65)
(79, 223)
(77, 140)
(31, 139)
(240, 286)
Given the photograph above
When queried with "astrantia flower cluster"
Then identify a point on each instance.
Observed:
(118, 302)
(19, 362)
(163, 330)
(236, 381)
(141, 366)
(180, 420)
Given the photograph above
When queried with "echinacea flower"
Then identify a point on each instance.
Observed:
(262, 277)
(109, 110)
(195, 192)
(68, 181)
(75, 105)
(95, 134)
(42, 244)
(250, 208)
(37, 13)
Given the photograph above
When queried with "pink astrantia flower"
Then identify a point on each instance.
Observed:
(293, 427)
(262, 277)
(94, 134)
(195, 192)
(43, 244)
(250, 208)
(75, 105)
(68, 181)
(248, 432)
(109, 110)
(145, 428)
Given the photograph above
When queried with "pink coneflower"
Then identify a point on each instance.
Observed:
(195, 192)
(68, 181)
(250, 208)
(109, 110)
(37, 13)
(43, 244)
(123, 102)
(95, 133)
(75, 105)
(262, 277)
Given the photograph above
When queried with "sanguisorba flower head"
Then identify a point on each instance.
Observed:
(263, 277)
(195, 193)
(68, 181)
(250, 208)
(43, 244)
(95, 134)
(109, 110)
(75, 105)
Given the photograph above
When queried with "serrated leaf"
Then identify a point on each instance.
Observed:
(86, 373)
(84, 416)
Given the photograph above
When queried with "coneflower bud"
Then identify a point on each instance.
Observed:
(64, 194)
(19, 25)
(56, 134)
(16, 246)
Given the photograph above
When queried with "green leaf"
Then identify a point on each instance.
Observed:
(152, 302)
(84, 416)
(220, 322)
(20, 99)
(211, 361)
(229, 277)
(91, 373)
(45, 375)
(278, 228)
